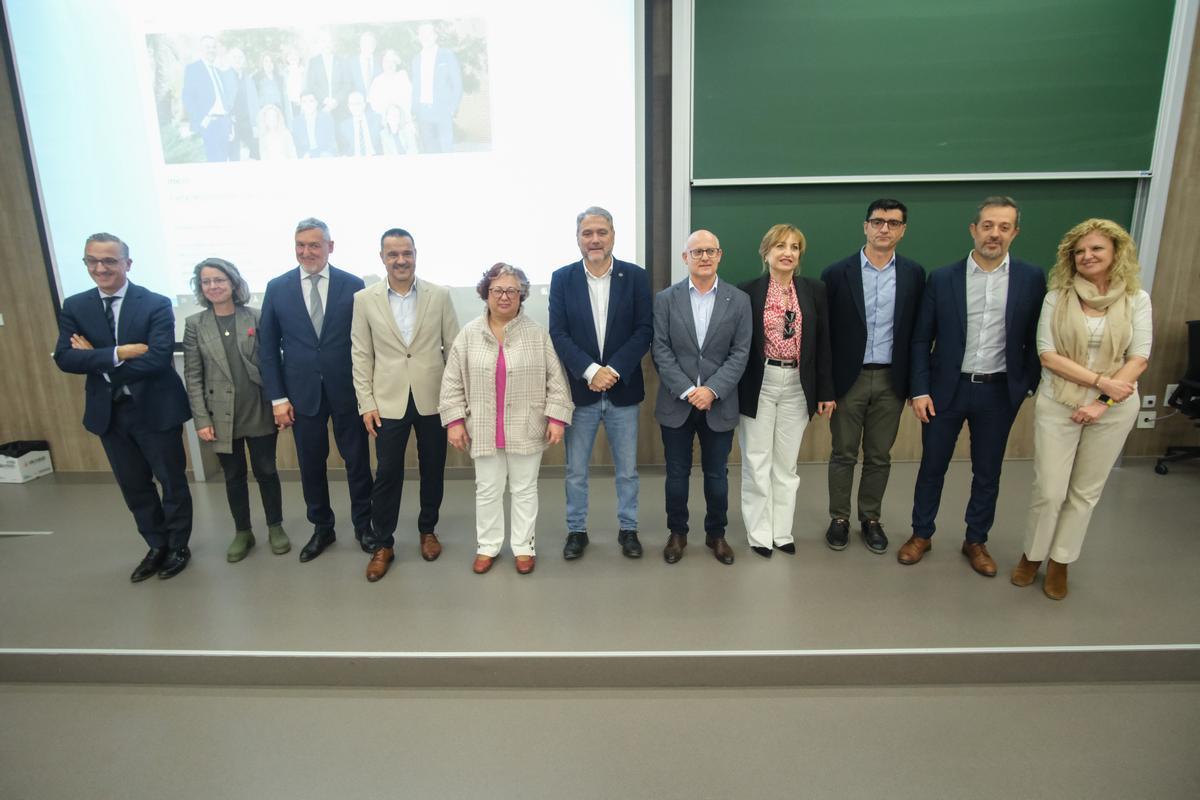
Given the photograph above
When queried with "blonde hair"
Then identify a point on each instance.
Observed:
(1125, 265)
(776, 234)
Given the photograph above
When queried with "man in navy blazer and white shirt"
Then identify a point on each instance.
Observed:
(601, 323)
(702, 335)
(974, 359)
(874, 295)
(304, 354)
(122, 337)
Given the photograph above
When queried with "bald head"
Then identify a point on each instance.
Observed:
(702, 255)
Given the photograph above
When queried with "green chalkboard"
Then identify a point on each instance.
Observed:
(785, 88)
(831, 218)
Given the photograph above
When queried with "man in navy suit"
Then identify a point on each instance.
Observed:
(304, 350)
(122, 337)
(359, 131)
(208, 97)
(874, 295)
(329, 77)
(437, 91)
(974, 359)
(702, 335)
(601, 323)
(312, 130)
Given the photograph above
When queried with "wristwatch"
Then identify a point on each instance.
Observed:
(1108, 401)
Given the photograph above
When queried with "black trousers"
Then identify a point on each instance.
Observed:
(391, 442)
(139, 456)
(312, 451)
(262, 462)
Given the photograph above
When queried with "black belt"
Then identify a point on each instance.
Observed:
(775, 362)
(977, 377)
(876, 366)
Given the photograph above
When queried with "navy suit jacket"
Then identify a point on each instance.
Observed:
(346, 133)
(323, 146)
(199, 94)
(815, 357)
(939, 337)
(447, 82)
(627, 333)
(294, 362)
(145, 318)
(848, 319)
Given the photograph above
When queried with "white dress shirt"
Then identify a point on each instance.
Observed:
(428, 61)
(322, 288)
(987, 301)
(404, 311)
(598, 292)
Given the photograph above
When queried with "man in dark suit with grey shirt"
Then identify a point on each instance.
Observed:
(701, 344)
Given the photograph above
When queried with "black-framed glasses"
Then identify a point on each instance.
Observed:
(789, 324)
(107, 261)
(893, 224)
(507, 291)
(700, 252)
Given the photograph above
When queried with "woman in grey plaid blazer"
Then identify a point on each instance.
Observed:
(505, 399)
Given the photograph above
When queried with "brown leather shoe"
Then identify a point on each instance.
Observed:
(482, 564)
(525, 564)
(674, 549)
(378, 565)
(431, 548)
(721, 550)
(1025, 572)
(980, 558)
(1055, 585)
(914, 549)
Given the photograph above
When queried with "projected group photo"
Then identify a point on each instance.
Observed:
(360, 90)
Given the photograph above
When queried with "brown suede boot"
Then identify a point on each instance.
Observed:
(1055, 585)
(1025, 572)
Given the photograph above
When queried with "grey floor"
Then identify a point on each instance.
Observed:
(68, 590)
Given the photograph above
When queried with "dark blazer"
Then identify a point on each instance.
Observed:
(940, 333)
(145, 317)
(346, 133)
(627, 334)
(848, 315)
(680, 360)
(815, 376)
(316, 80)
(447, 83)
(294, 363)
(325, 145)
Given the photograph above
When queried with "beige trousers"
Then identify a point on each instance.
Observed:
(770, 445)
(1071, 464)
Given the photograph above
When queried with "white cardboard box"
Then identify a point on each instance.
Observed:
(33, 464)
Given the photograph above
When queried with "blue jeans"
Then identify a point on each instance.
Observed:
(621, 426)
(714, 455)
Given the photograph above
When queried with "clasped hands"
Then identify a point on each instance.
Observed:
(604, 379)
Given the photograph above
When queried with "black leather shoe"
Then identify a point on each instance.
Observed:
(721, 549)
(838, 534)
(873, 536)
(630, 546)
(366, 540)
(765, 552)
(577, 541)
(150, 564)
(176, 561)
(317, 544)
(674, 549)
(789, 548)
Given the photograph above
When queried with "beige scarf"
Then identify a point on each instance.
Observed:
(1071, 334)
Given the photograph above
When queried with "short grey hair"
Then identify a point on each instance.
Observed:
(241, 291)
(592, 211)
(498, 269)
(998, 200)
(108, 237)
(312, 223)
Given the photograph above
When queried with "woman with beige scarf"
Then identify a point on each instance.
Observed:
(1094, 338)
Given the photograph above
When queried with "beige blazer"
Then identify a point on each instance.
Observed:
(385, 369)
(208, 380)
(535, 386)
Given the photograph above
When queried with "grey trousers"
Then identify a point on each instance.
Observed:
(868, 416)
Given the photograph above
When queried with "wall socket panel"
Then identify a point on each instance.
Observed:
(1171, 387)
(1149, 401)
(1146, 419)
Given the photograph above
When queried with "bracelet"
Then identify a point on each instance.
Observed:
(1108, 401)
(1096, 383)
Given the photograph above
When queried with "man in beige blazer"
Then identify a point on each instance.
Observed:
(400, 335)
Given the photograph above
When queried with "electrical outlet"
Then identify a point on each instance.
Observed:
(1171, 387)
(1150, 401)
(1146, 419)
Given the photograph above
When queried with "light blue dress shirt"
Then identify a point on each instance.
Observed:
(879, 302)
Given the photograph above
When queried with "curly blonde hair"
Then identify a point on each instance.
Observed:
(1125, 265)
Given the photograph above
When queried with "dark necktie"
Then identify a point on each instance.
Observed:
(109, 317)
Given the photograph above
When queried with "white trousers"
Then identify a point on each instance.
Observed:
(1071, 464)
(520, 474)
(770, 445)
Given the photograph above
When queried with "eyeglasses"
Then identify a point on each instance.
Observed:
(107, 261)
(789, 324)
(214, 281)
(701, 252)
(498, 292)
(893, 224)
